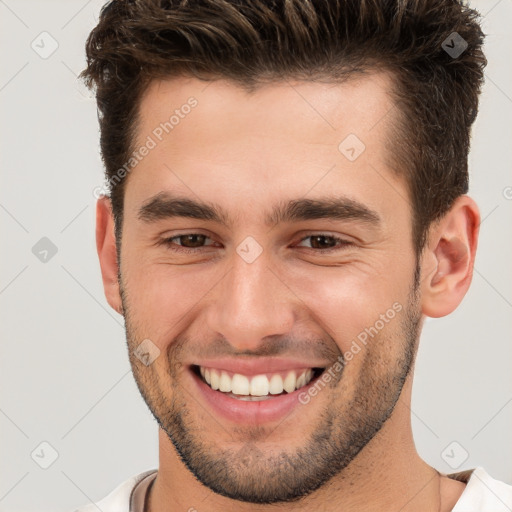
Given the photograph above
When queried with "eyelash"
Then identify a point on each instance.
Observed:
(168, 242)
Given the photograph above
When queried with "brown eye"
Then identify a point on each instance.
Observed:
(322, 242)
(325, 242)
(194, 240)
(187, 242)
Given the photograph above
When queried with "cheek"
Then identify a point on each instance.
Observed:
(350, 306)
(346, 302)
(163, 298)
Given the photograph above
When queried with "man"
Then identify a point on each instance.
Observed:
(287, 203)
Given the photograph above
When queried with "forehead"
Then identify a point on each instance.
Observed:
(288, 138)
(356, 104)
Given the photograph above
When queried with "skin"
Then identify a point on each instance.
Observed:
(246, 153)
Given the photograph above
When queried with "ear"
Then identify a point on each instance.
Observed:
(106, 247)
(448, 259)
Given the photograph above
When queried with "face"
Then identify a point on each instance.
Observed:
(267, 260)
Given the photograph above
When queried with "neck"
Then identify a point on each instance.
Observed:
(387, 474)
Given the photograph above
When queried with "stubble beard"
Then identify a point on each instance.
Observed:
(247, 472)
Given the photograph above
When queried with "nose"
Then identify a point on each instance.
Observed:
(249, 304)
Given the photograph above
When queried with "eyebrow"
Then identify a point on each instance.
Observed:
(165, 206)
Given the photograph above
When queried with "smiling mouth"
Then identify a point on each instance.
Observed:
(264, 386)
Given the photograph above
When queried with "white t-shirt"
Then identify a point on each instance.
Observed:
(482, 494)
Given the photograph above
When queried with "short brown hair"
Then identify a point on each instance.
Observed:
(253, 42)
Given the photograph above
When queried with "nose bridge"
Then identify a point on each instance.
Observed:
(250, 303)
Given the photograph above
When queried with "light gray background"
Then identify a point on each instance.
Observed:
(65, 376)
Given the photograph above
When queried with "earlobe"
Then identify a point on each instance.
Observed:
(451, 250)
(106, 248)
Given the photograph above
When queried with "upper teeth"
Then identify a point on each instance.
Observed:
(258, 385)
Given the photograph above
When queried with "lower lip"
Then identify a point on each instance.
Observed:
(253, 412)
